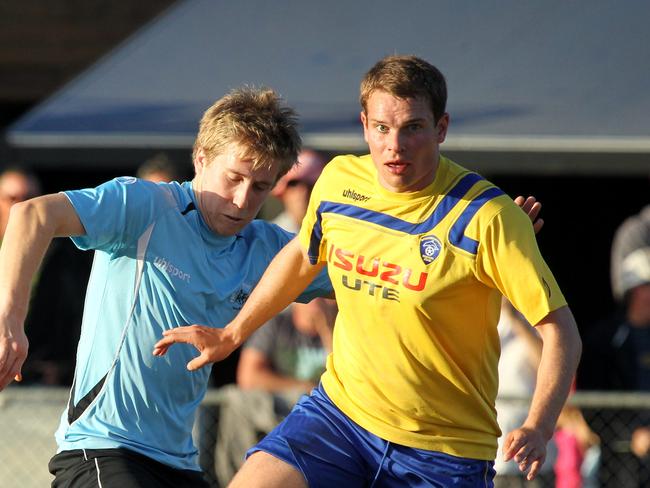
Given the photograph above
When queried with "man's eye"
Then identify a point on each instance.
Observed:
(382, 128)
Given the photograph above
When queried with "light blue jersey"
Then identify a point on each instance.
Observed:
(157, 266)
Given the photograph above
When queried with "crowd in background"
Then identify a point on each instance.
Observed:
(286, 357)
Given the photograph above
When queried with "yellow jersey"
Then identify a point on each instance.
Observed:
(418, 279)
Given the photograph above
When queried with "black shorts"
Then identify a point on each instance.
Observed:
(118, 468)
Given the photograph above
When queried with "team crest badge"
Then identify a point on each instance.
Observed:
(239, 297)
(430, 247)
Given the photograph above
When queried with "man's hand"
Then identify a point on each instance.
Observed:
(213, 344)
(528, 448)
(13, 352)
(532, 207)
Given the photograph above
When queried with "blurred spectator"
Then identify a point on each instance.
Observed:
(573, 442)
(158, 169)
(16, 185)
(284, 358)
(521, 349)
(578, 451)
(617, 350)
(289, 352)
(618, 356)
(632, 234)
(294, 189)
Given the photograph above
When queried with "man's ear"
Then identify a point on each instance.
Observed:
(364, 123)
(200, 161)
(442, 126)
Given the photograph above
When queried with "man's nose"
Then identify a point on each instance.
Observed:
(396, 141)
(241, 197)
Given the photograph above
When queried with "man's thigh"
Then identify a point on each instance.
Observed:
(117, 468)
(320, 442)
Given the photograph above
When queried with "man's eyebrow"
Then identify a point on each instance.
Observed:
(407, 122)
(245, 175)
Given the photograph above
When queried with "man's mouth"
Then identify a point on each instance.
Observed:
(396, 167)
(233, 219)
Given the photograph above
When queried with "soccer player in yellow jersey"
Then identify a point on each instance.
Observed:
(419, 251)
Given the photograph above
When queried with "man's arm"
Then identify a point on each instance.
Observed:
(32, 226)
(560, 355)
(285, 278)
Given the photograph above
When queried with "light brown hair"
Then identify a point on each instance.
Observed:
(258, 121)
(406, 77)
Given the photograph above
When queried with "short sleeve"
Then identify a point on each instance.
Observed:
(320, 287)
(311, 232)
(509, 259)
(276, 238)
(114, 214)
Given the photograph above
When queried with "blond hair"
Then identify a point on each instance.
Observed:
(406, 77)
(257, 120)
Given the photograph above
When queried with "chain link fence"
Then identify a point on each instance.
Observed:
(29, 416)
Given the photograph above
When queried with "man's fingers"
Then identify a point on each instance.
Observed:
(165, 342)
(184, 334)
(179, 334)
(198, 362)
(507, 449)
(533, 210)
(511, 451)
(160, 350)
(4, 360)
(181, 331)
(530, 458)
(534, 469)
(10, 373)
(161, 347)
(523, 454)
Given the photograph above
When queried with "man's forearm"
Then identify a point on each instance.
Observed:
(560, 355)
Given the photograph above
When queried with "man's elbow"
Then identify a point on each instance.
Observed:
(569, 333)
(560, 327)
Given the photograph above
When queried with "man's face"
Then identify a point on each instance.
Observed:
(403, 140)
(14, 188)
(230, 193)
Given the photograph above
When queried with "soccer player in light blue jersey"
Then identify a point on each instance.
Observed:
(166, 254)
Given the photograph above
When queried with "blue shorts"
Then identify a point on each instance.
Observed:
(331, 450)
